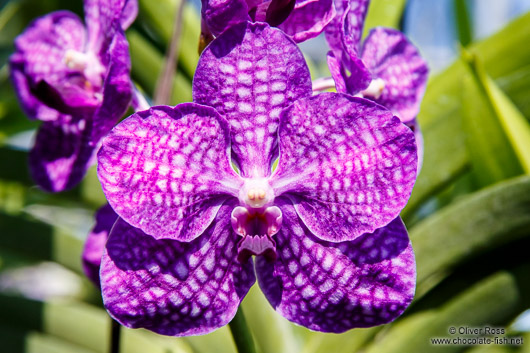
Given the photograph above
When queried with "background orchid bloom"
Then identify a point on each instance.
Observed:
(76, 80)
(385, 68)
(300, 19)
(331, 252)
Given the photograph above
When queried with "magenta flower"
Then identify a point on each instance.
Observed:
(385, 68)
(76, 80)
(300, 19)
(330, 250)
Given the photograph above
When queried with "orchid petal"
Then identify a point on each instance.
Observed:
(40, 56)
(117, 88)
(308, 19)
(278, 11)
(391, 57)
(249, 74)
(346, 163)
(352, 26)
(99, 18)
(167, 170)
(129, 13)
(337, 73)
(62, 153)
(171, 287)
(334, 287)
(222, 14)
(95, 242)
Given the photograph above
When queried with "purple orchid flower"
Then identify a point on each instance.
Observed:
(95, 242)
(385, 68)
(300, 19)
(76, 80)
(331, 251)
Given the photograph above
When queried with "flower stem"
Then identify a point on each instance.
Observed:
(241, 334)
(115, 329)
(165, 80)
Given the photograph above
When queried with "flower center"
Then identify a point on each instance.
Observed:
(375, 89)
(256, 220)
(88, 65)
(256, 193)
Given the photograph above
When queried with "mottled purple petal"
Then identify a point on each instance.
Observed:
(62, 153)
(391, 57)
(222, 14)
(129, 13)
(346, 163)
(175, 288)
(333, 31)
(415, 127)
(352, 26)
(117, 88)
(278, 11)
(40, 56)
(334, 287)
(308, 19)
(95, 242)
(99, 18)
(167, 170)
(335, 67)
(249, 74)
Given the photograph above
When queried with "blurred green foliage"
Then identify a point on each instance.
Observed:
(469, 215)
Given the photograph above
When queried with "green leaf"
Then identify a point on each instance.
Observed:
(490, 150)
(146, 66)
(463, 24)
(278, 334)
(385, 13)
(505, 57)
(492, 301)
(160, 15)
(473, 225)
(82, 325)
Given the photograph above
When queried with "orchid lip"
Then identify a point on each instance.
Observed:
(256, 227)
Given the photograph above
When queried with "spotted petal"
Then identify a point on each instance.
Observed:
(62, 153)
(352, 25)
(308, 19)
(95, 242)
(117, 88)
(39, 57)
(167, 170)
(249, 74)
(99, 18)
(346, 163)
(391, 57)
(222, 14)
(174, 288)
(334, 287)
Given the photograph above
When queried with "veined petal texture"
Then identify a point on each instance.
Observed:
(352, 25)
(39, 56)
(391, 57)
(99, 18)
(117, 88)
(171, 287)
(222, 14)
(249, 74)
(346, 163)
(95, 242)
(62, 153)
(308, 19)
(334, 287)
(167, 170)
